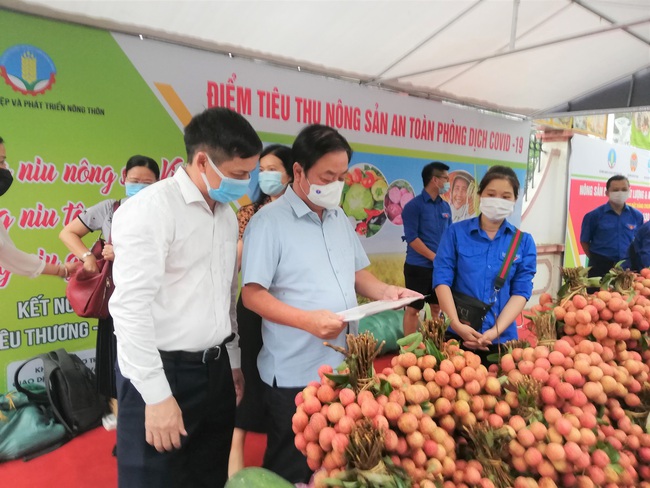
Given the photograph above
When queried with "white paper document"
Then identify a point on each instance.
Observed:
(372, 308)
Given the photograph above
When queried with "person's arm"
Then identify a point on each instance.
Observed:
(367, 285)
(470, 336)
(71, 236)
(508, 315)
(259, 266)
(642, 245)
(586, 233)
(421, 248)
(234, 352)
(521, 289)
(19, 262)
(320, 323)
(443, 278)
(141, 240)
(240, 252)
(410, 218)
(244, 215)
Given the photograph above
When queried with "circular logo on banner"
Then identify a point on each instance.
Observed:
(611, 158)
(634, 162)
(27, 69)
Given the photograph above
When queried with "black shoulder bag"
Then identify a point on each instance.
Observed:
(472, 311)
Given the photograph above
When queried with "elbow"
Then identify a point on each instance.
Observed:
(246, 297)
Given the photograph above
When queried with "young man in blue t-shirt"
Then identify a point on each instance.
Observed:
(608, 230)
(425, 218)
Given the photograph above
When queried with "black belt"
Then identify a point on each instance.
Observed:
(212, 354)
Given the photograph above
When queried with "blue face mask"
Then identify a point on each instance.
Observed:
(271, 182)
(229, 190)
(445, 187)
(133, 188)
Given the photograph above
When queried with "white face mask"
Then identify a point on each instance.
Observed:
(326, 196)
(619, 197)
(496, 209)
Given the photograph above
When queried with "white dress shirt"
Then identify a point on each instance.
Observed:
(175, 280)
(17, 261)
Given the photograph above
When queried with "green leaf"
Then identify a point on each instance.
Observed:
(333, 482)
(339, 379)
(385, 388)
(435, 352)
(494, 358)
(409, 339)
(342, 367)
(419, 352)
(489, 438)
(618, 469)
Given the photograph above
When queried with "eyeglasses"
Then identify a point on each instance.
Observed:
(446, 178)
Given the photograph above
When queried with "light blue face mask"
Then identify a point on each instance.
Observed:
(445, 187)
(229, 190)
(271, 183)
(133, 188)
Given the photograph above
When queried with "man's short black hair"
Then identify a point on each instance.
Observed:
(616, 178)
(435, 168)
(315, 141)
(223, 133)
(2, 141)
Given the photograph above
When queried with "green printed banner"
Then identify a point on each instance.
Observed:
(74, 110)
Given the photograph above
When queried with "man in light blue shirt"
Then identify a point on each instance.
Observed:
(302, 263)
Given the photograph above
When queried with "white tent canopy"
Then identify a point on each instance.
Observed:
(523, 57)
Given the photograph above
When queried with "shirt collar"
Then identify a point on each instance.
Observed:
(474, 226)
(189, 191)
(608, 208)
(300, 208)
(427, 197)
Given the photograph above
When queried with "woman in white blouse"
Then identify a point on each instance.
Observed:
(13, 259)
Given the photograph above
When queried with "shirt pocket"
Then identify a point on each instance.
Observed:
(516, 262)
(607, 224)
(472, 264)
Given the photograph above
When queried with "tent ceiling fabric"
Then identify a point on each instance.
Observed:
(523, 57)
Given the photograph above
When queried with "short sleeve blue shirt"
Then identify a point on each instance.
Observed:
(608, 233)
(306, 263)
(427, 219)
(468, 261)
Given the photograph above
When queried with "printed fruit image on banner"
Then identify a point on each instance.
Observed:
(363, 198)
(400, 192)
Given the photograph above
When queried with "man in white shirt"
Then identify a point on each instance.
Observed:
(174, 311)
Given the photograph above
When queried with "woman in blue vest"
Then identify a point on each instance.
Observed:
(471, 255)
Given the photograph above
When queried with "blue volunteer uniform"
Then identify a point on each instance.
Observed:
(641, 246)
(468, 261)
(427, 219)
(609, 236)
